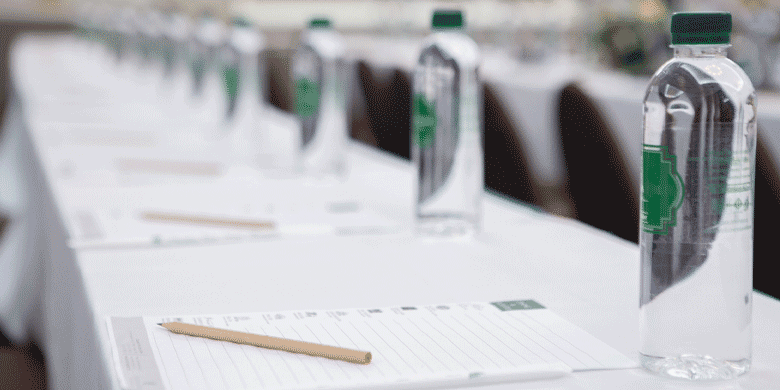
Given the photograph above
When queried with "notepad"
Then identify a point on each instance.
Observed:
(101, 228)
(169, 167)
(69, 134)
(409, 344)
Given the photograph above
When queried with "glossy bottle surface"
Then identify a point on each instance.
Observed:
(697, 216)
(446, 140)
(321, 77)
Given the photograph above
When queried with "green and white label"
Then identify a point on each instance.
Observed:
(662, 189)
(517, 305)
(729, 188)
(307, 97)
(423, 121)
(230, 78)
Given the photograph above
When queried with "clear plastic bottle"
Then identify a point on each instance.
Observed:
(124, 34)
(696, 234)
(151, 26)
(177, 88)
(176, 36)
(321, 77)
(446, 137)
(209, 99)
(242, 72)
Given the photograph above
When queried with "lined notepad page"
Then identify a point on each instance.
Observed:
(408, 344)
(100, 227)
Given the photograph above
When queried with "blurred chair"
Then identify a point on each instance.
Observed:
(388, 100)
(21, 367)
(279, 79)
(360, 126)
(597, 175)
(506, 167)
(766, 215)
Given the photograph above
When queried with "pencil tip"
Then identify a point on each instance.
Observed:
(159, 323)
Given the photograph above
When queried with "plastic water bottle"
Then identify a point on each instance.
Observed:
(321, 77)
(696, 234)
(151, 26)
(177, 88)
(176, 37)
(446, 137)
(124, 34)
(209, 98)
(242, 72)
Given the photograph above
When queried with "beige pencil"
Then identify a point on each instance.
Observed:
(294, 346)
(171, 167)
(203, 220)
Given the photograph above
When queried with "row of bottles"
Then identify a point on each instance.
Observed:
(698, 158)
(210, 77)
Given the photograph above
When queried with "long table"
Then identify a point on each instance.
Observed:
(62, 294)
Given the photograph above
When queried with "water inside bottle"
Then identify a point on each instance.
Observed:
(697, 250)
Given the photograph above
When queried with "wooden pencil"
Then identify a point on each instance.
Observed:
(204, 220)
(170, 167)
(294, 346)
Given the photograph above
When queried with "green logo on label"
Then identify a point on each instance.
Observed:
(662, 189)
(230, 77)
(423, 121)
(307, 97)
(517, 305)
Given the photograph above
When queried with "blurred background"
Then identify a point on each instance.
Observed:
(563, 87)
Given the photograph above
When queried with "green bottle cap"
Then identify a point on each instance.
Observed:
(701, 28)
(447, 19)
(319, 23)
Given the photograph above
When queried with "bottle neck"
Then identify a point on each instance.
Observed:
(699, 51)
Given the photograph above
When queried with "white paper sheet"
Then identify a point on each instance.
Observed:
(99, 228)
(410, 344)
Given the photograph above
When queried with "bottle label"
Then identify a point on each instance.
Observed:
(662, 189)
(230, 78)
(729, 189)
(307, 97)
(423, 121)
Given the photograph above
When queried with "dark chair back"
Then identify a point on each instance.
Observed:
(387, 107)
(597, 175)
(279, 78)
(766, 217)
(506, 166)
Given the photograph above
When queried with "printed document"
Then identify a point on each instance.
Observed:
(409, 344)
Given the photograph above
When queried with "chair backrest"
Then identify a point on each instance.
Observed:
(766, 217)
(597, 175)
(279, 78)
(387, 106)
(506, 166)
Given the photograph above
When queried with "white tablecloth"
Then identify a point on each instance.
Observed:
(585, 275)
